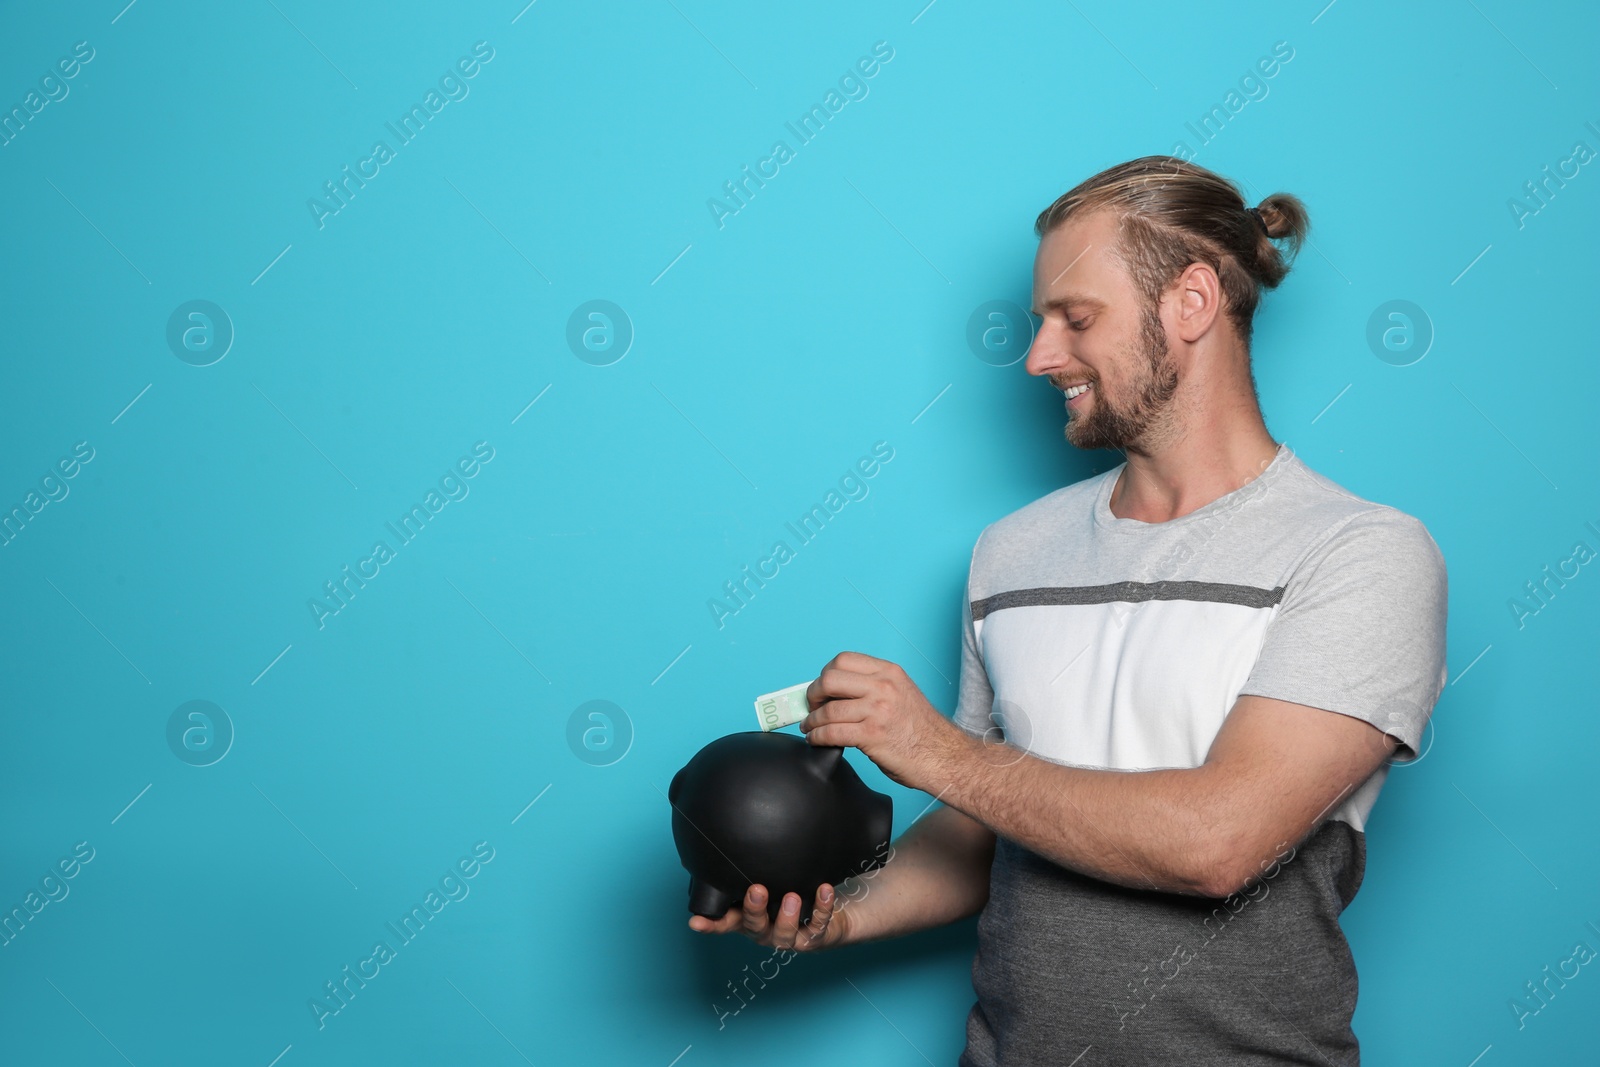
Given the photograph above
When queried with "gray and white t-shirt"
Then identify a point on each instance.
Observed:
(1106, 642)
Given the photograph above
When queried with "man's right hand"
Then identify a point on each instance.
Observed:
(828, 926)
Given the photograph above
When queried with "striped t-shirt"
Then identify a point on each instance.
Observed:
(1108, 642)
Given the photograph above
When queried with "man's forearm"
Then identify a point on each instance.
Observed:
(1274, 769)
(937, 873)
(1145, 829)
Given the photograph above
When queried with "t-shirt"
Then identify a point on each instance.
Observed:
(1108, 642)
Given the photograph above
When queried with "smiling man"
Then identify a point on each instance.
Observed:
(1201, 664)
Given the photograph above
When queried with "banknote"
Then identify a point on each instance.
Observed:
(785, 707)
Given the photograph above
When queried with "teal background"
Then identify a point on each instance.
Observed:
(768, 355)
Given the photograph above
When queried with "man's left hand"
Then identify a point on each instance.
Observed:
(871, 704)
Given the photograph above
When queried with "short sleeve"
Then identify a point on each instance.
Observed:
(975, 698)
(1361, 628)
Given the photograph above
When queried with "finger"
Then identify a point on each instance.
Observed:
(821, 913)
(754, 917)
(834, 662)
(837, 735)
(843, 710)
(722, 924)
(845, 730)
(860, 662)
(788, 925)
(834, 683)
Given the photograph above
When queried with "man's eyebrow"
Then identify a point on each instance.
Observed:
(1088, 303)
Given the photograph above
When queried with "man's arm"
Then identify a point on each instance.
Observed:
(1274, 769)
(937, 874)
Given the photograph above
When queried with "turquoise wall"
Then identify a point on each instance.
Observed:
(588, 484)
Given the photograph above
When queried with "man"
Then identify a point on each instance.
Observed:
(1202, 663)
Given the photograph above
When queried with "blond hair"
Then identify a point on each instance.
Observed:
(1172, 213)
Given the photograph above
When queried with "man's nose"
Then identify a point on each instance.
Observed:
(1046, 354)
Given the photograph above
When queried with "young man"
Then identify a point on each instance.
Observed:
(1201, 662)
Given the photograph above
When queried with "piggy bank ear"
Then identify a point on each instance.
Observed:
(823, 760)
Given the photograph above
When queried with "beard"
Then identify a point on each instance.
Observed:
(1110, 424)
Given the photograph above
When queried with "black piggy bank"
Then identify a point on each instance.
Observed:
(773, 809)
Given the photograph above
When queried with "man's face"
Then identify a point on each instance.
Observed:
(1098, 331)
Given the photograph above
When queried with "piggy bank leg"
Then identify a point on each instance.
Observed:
(708, 900)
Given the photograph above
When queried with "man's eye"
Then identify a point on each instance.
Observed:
(1082, 324)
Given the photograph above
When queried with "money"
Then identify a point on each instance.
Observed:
(784, 708)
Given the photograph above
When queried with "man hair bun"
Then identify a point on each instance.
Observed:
(1284, 216)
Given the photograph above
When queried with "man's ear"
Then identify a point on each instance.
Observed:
(1198, 304)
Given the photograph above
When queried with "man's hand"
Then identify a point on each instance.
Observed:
(826, 929)
(867, 703)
